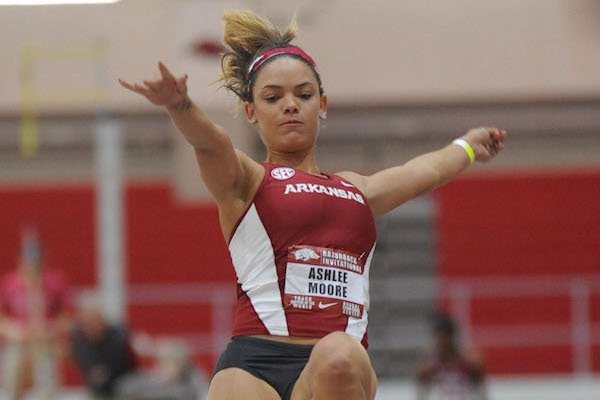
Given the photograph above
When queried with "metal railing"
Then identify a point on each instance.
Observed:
(580, 331)
(220, 297)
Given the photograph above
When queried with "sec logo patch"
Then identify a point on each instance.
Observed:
(282, 173)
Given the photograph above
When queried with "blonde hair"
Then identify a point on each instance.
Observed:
(247, 35)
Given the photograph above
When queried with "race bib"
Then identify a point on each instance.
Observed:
(322, 279)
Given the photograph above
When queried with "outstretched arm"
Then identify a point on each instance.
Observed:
(225, 171)
(391, 187)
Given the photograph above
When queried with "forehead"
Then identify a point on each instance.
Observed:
(285, 71)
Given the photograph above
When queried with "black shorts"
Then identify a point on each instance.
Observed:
(279, 364)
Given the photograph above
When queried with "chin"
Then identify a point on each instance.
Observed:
(295, 145)
(298, 139)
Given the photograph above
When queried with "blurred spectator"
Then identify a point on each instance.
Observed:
(102, 350)
(449, 373)
(34, 318)
(173, 377)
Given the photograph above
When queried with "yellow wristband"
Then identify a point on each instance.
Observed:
(467, 147)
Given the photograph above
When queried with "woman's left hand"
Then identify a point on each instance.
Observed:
(485, 141)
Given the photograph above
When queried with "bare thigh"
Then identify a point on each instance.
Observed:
(235, 384)
(338, 368)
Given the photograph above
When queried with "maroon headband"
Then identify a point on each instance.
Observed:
(261, 59)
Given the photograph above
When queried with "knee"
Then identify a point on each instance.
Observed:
(342, 359)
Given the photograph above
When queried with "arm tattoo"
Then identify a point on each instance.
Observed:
(183, 105)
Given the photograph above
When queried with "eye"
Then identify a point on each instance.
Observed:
(271, 99)
(306, 96)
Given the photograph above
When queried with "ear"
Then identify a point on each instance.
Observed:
(324, 104)
(249, 110)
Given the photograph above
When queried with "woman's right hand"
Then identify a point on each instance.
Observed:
(167, 91)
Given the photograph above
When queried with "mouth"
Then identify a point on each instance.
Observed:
(291, 122)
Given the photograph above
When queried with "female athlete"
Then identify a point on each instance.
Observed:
(301, 240)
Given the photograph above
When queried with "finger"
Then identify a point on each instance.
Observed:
(182, 84)
(126, 84)
(498, 134)
(497, 146)
(137, 88)
(485, 155)
(493, 133)
(164, 72)
(152, 85)
(141, 90)
(503, 135)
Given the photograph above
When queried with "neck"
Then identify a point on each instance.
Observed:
(301, 161)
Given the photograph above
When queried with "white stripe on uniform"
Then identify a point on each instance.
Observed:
(357, 327)
(254, 262)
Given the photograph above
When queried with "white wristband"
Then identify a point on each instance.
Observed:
(463, 143)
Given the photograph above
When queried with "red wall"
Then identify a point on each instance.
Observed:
(170, 242)
(501, 225)
(65, 222)
(523, 226)
(166, 242)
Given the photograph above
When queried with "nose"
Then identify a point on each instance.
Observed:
(290, 105)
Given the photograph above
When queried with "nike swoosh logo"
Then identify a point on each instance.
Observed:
(327, 305)
(346, 184)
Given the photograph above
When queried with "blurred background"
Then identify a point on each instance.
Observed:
(510, 249)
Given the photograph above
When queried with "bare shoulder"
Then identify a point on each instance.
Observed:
(358, 180)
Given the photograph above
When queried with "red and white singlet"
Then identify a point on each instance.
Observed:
(302, 253)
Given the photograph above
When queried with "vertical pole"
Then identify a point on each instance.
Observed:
(109, 211)
(580, 326)
(109, 205)
(29, 140)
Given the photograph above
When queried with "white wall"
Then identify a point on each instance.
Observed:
(462, 48)
(376, 51)
(368, 51)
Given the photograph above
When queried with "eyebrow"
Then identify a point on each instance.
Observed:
(273, 86)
